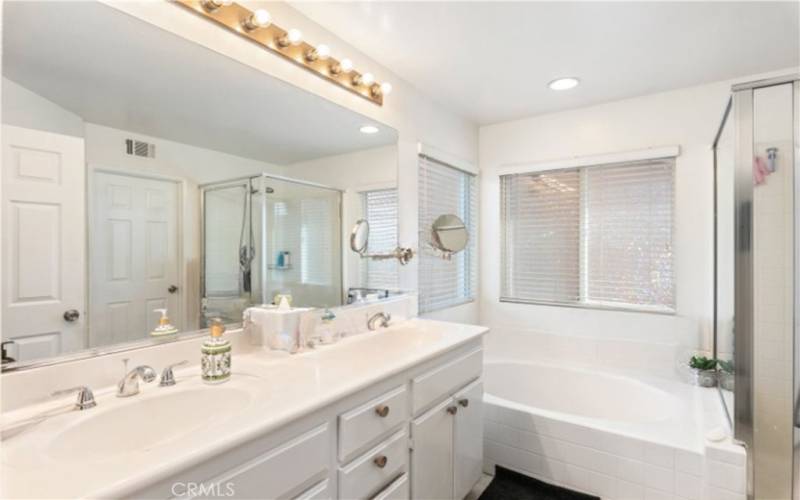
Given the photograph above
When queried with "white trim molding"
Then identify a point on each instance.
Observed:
(449, 159)
(592, 160)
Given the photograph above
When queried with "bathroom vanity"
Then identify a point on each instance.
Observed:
(394, 413)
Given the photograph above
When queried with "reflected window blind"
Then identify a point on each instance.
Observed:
(381, 211)
(446, 190)
(316, 241)
(598, 236)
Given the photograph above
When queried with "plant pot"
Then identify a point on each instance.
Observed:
(726, 380)
(705, 378)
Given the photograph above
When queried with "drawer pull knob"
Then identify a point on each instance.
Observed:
(382, 410)
(380, 461)
(452, 410)
(464, 402)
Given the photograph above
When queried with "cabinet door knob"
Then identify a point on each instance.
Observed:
(382, 410)
(452, 410)
(464, 402)
(380, 461)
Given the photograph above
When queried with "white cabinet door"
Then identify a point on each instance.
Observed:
(432, 454)
(468, 440)
(43, 267)
(133, 256)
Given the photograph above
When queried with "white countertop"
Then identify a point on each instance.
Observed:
(278, 389)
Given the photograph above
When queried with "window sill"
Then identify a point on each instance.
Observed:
(594, 306)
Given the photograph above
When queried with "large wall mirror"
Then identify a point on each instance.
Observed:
(142, 171)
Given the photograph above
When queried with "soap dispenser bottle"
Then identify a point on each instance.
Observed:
(215, 363)
(164, 326)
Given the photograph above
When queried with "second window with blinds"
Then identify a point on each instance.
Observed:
(597, 236)
(444, 189)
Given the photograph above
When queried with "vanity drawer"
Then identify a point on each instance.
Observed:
(321, 491)
(431, 386)
(365, 475)
(366, 423)
(284, 471)
(398, 490)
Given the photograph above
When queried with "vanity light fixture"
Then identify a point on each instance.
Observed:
(212, 5)
(344, 66)
(258, 19)
(369, 129)
(257, 26)
(322, 52)
(365, 79)
(564, 83)
(293, 37)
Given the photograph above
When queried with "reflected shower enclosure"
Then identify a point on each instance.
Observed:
(267, 235)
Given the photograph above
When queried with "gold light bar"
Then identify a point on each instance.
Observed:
(239, 20)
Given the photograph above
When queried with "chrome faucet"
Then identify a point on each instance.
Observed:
(381, 318)
(129, 385)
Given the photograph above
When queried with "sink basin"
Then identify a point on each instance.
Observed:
(147, 422)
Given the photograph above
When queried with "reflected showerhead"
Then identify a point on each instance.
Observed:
(269, 190)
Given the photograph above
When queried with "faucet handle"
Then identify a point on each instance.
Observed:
(167, 377)
(85, 396)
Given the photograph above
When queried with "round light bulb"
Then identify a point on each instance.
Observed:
(260, 18)
(346, 65)
(367, 78)
(386, 88)
(369, 129)
(564, 83)
(295, 36)
(323, 51)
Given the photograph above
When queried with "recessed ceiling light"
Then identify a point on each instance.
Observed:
(369, 129)
(564, 83)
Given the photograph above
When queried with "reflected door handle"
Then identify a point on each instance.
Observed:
(71, 315)
(172, 289)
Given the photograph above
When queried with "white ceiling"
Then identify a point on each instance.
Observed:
(114, 70)
(491, 61)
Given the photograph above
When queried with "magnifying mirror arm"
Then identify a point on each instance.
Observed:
(403, 255)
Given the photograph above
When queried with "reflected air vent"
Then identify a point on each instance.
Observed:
(140, 148)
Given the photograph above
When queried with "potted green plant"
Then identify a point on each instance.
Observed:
(726, 374)
(704, 369)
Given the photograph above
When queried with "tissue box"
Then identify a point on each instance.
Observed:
(279, 328)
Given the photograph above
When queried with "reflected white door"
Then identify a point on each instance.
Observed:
(133, 256)
(44, 239)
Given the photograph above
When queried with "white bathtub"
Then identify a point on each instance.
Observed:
(616, 436)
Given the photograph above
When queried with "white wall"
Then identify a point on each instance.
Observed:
(415, 117)
(688, 118)
(23, 108)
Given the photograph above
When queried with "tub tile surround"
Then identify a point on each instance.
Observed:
(612, 466)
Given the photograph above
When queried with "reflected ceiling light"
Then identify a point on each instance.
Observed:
(322, 52)
(564, 83)
(292, 37)
(258, 19)
(369, 129)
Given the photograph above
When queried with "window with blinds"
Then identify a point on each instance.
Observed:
(316, 241)
(380, 210)
(446, 190)
(598, 236)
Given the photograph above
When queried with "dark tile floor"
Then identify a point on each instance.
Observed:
(510, 485)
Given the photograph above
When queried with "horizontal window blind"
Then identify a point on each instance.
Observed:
(446, 190)
(380, 210)
(317, 218)
(594, 236)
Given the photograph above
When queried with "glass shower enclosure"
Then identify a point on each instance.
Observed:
(757, 267)
(266, 235)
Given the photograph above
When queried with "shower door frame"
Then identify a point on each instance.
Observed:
(743, 411)
(248, 182)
